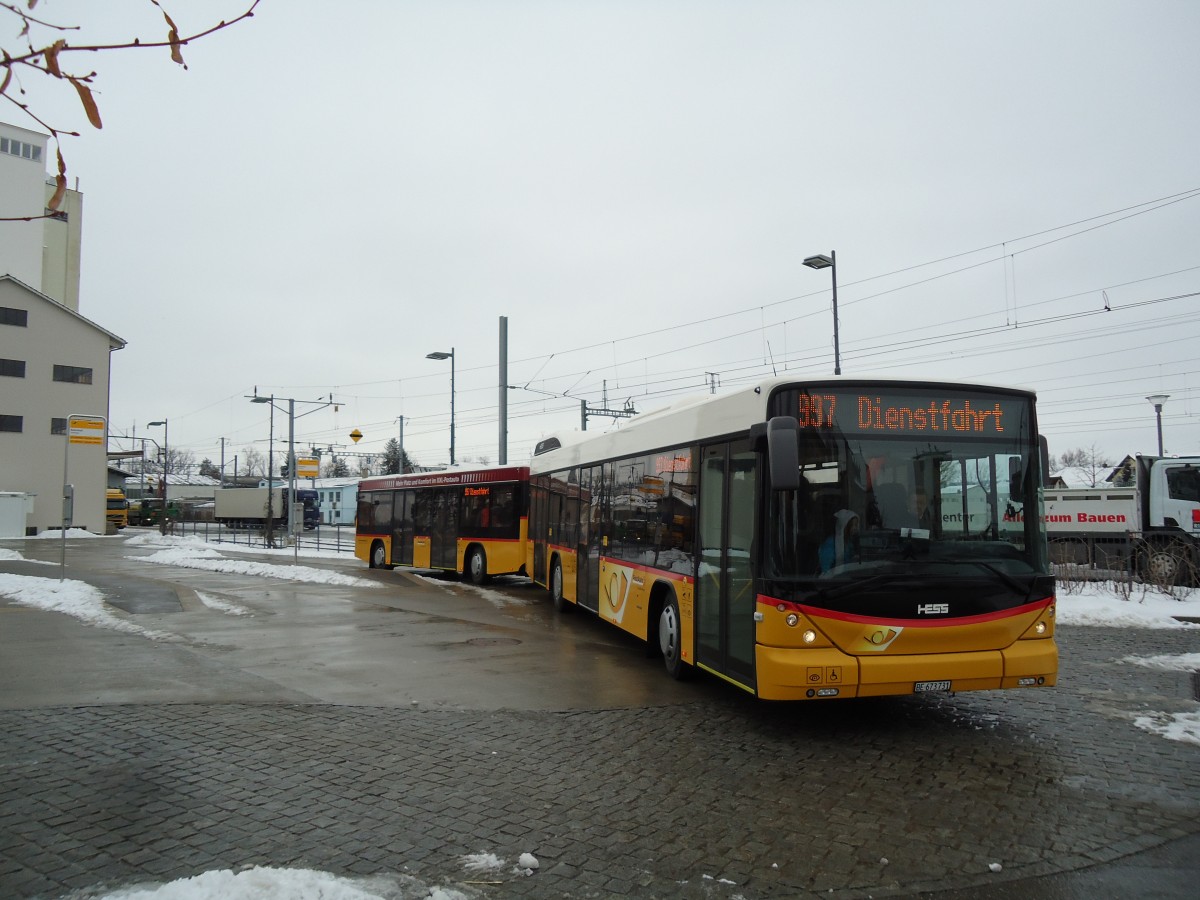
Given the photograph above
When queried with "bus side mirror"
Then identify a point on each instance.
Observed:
(1044, 457)
(1016, 477)
(783, 452)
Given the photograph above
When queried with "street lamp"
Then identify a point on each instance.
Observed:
(821, 261)
(1158, 400)
(292, 504)
(269, 530)
(162, 516)
(441, 354)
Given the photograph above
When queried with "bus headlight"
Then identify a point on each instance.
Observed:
(809, 636)
(792, 620)
(1039, 628)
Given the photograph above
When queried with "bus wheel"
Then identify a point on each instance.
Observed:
(556, 588)
(378, 556)
(670, 636)
(476, 567)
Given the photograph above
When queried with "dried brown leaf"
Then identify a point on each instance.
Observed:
(50, 54)
(88, 101)
(176, 55)
(60, 181)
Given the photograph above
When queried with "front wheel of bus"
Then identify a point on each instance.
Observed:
(378, 556)
(670, 640)
(476, 567)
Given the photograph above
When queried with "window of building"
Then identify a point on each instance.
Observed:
(13, 368)
(58, 426)
(73, 374)
(11, 423)
(13, 147)
(10, 316)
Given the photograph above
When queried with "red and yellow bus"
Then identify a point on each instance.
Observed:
(470, 521)
(834, 537)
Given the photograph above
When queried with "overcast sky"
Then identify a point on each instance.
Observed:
(332, 191)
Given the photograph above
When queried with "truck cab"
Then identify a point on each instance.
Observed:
(116, 511)
(1170, 498)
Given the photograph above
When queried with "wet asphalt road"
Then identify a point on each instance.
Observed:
(394, 729)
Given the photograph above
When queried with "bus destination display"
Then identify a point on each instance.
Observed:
(873, 412)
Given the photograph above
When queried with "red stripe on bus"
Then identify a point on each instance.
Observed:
(819, 613)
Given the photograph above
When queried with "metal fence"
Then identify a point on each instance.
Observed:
(337, 538)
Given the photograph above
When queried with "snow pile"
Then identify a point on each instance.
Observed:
(1097, 604)
(267, 883)
(232, 609)
(1183, 726)
(194, 554)
(527, 863)
(72, 533)
(73, 598)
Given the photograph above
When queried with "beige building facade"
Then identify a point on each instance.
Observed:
(54, 363)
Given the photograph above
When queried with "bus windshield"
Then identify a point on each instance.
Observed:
(894, 484)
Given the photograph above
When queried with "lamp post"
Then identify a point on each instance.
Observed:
(821, 261)
(1158, 400)
(292, 504)
(162, 518)
(441, 354)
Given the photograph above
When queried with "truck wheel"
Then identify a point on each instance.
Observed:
(1165, 563)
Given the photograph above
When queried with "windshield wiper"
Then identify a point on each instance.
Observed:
(1022, 589)
(847, 588)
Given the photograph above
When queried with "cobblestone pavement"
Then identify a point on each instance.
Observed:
(719, 797)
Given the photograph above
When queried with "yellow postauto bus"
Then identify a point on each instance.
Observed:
(809, 539)
(470, 521)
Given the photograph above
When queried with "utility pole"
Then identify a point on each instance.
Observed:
(603, 410)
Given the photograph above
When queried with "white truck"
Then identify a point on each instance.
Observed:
(1148, 515)
(247, 507)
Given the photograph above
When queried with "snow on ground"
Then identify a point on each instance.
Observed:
(194, 553)
(1105, 604)
(73, 598)
(224, 606)
(266, 883)
(1079, 604)
(496, 598)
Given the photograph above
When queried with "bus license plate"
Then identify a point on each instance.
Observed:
(922, 687)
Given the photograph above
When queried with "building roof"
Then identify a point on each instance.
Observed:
(115, 342)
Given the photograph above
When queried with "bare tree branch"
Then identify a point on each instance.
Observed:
(49, 61)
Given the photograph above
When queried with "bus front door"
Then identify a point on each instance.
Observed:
(402, 530)
(725, 601)
(444, 534)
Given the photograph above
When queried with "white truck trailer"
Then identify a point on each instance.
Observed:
(247, 507)
(1149, 517)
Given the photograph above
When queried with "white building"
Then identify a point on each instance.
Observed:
(54, 363)
(338, 498)
(41, 253)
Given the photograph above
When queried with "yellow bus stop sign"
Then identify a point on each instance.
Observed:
(85, 430)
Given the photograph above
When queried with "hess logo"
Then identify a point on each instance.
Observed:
(933, 609)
